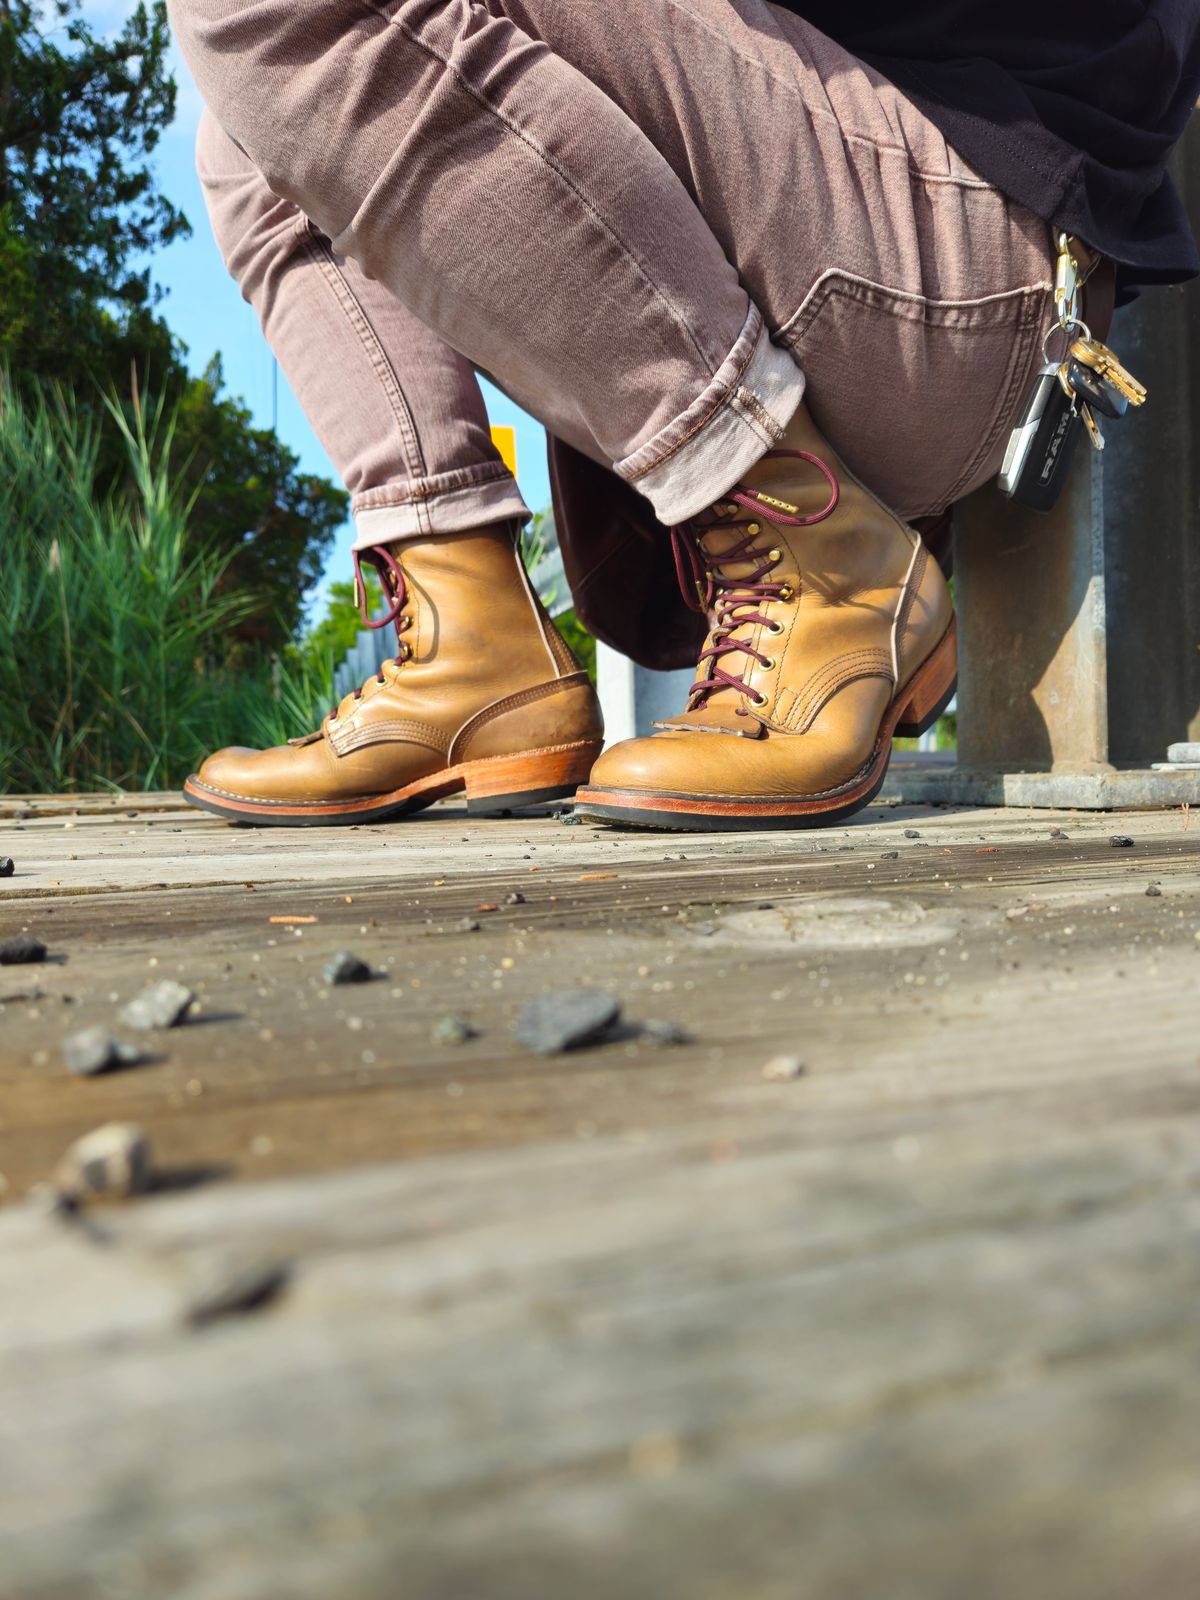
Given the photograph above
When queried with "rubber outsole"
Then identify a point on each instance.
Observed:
(494, 786)
(923, 700)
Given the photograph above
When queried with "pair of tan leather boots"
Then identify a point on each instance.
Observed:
(830, 631)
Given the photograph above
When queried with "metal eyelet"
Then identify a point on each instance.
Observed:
(776, 627)
(405, 651)
(404, 624)
(775, 554)
(753, 527)
(786, 592)
(760, 700)
(769, 664)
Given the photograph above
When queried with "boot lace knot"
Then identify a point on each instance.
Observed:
(733, 603)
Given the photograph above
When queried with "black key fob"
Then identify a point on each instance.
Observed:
(1041, 445)
(1098, 393)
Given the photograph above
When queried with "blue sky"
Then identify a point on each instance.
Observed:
(204, 308)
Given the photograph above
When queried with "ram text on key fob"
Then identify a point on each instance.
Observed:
(1041, 445)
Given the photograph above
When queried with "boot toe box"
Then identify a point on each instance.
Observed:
(275, 774)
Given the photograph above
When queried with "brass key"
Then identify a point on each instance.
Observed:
(1107, 365)
(1092, 426)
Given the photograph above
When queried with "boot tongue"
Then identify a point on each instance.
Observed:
(718, 716)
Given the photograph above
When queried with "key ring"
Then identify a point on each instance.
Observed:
(1069, 328)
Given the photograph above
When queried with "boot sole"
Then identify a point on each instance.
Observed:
(915, 710)
(494, 787)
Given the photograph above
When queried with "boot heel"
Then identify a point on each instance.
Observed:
(507, 783)
(932, 688)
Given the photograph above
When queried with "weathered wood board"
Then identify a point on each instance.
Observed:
(922, 1324)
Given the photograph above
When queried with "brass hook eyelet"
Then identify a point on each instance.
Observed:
(786, 592)
(775, 553)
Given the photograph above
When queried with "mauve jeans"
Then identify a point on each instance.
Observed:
(657, 226)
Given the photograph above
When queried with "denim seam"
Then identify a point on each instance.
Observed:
(831, 116)
(854, 287)
(417, 489)
(380, 10)
(321, 252)
(727, 392)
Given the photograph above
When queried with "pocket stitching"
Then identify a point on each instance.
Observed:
(837, 283)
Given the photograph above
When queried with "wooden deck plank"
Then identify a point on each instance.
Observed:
(922, 1323)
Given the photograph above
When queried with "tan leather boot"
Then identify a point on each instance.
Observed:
(831, 629)
(483, 696)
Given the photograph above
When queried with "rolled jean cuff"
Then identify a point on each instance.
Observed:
(450, 503)
(743, 412)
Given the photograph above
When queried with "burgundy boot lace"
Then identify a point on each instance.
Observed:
(734, 602)
(395, 589)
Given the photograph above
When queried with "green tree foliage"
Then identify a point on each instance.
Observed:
(80, 118)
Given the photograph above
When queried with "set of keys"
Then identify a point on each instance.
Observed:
(1082, 383)
(1093, 377)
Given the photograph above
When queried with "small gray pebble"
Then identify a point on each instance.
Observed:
(1121, 841)
(570, 820)
(227, 1285)
(162, 1005)
(452, 1030)
(516, 898)
(346, 968)
(912, 833)
(95, 1050)
(467, 925)
(890, 855)
(566, 1020)
(7, 866)
(21, 950)
(112, 1160)
(1153, 890)
(663, 1032)
(1057, 833)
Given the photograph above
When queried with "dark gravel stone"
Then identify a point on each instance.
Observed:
(21, 950)
(7, 866)
(1153, 890)
(514, 899)
(663, 1032)
(566, 1020)
(467, 925)
(1121, 841)
(452, 1030)
(570, 820)
(912, 833)
(1057, 833)
(346, 968)
(95, 1050)
(162, 1005)
(890, 855)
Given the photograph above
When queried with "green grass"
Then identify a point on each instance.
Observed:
(116, 670)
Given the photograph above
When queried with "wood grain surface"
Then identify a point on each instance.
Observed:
(920, 1324)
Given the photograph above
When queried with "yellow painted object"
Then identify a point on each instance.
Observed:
(505, 440)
